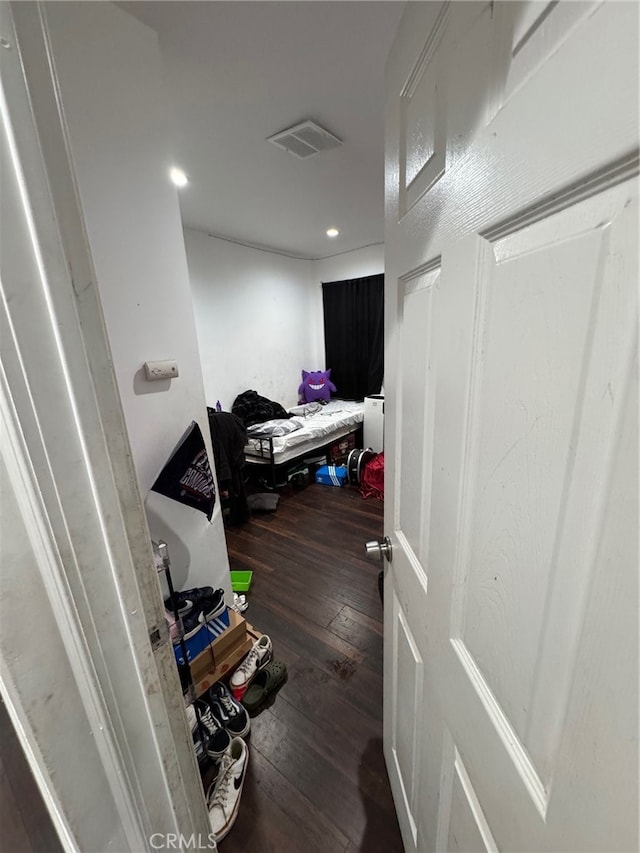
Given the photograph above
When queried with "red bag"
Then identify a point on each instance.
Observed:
(372, 478)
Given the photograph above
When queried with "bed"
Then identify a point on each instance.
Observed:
(279, 445)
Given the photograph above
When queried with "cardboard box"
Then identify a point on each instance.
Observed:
(212, 671)
(201, 639)
(340, 450)
(332, 475)
(226, 663)
(234, 634)
(218, 648)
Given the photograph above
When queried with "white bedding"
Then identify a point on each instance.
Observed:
(317, 426)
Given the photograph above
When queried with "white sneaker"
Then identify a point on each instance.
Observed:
(190, 711)
(240, 602)
(259, 656)
(223, 798)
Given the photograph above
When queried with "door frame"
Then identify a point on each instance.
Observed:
(69, 466)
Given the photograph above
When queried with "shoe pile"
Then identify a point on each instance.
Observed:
(259, 656)
(195, 607)
(223, 797)
(258, 676)
(215, 719)
(266, 682)
(220, 722)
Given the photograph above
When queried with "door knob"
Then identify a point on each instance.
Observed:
(377, 549)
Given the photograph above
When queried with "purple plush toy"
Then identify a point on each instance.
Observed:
(316, 386)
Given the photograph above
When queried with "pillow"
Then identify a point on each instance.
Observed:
(316, 385)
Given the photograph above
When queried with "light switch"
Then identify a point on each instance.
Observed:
(161, 370)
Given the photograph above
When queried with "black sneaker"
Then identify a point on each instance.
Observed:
(211, 606)
(197, 593)
(184, 605)
(191, 622)
(188, 599)
(207, 766)
(228, 710)
(214, 736)
(206, 608)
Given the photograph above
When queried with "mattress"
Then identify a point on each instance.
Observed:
(314, 426)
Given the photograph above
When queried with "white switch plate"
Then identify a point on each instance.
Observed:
(161, 370)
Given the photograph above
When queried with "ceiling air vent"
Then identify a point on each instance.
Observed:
(305, 139)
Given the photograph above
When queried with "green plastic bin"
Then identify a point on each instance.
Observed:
(241, 581)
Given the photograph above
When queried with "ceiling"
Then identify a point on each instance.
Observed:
(239, 72)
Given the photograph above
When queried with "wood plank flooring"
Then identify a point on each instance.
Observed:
(25, 825)
(316, 779)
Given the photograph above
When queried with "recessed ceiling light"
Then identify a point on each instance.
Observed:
(178, 177)
(332, 232)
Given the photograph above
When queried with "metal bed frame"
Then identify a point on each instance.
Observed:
(263, 448)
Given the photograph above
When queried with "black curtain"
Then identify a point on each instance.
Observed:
(354, 335)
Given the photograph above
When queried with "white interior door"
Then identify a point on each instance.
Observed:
(511, 602)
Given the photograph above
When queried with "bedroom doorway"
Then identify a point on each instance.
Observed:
(486, 761)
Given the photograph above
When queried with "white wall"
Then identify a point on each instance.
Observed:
(110, 72)
(255, 319)
(110, 76)
(356, 264)
(259, 314)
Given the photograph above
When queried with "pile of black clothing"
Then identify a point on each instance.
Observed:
(252, 409)
(228, 437)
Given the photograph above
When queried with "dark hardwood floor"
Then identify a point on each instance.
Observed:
(316, 780)
(25, 825)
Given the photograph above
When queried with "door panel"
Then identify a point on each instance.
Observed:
(408, 669)
(511, 253)
(423, 131)
(535, 30)
(417, 292)
(468, 827)
(542, 433)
